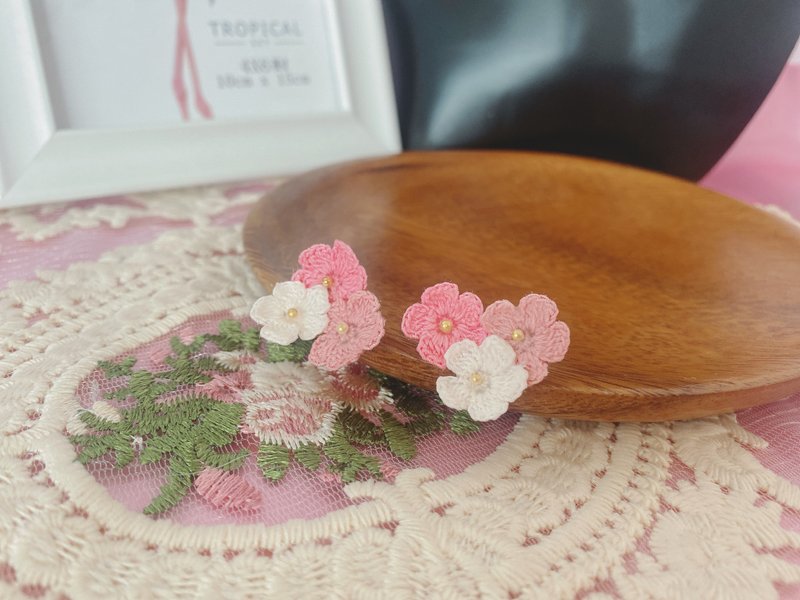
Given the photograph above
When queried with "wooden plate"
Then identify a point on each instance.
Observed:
(681, 302)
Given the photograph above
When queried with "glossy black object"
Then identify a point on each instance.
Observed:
(664, 84)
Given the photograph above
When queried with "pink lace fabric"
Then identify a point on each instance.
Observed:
(525, 508)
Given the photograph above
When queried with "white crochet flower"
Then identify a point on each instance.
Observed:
(292, 311)
(487, 378)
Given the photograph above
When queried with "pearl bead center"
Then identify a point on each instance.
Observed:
(291, 313)
(476, 378)
(342, 328)
(327, 281)
(517, 335)
(445, 326)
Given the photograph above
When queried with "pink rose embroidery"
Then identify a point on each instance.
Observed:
(532, 330)
(442, 318)
(226, 387)
(335, 268)
(358, 390)
(290, 417)
(355, 325)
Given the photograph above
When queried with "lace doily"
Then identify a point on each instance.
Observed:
(542, 508)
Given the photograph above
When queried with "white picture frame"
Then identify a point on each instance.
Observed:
(41, 161)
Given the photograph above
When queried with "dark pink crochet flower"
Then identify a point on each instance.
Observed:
(442, 318)
(355, 325)
(226, 387)
(336, 268)
(532, 330)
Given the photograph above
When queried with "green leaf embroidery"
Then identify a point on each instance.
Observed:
(120, 369)
(462, 424)
(273, 460)
(400, 441)
(231, 337)
(360, 430)
(100, 424)
(195, 431)
(183, 468)
(294, 352)
(347, 460)
(308, 455)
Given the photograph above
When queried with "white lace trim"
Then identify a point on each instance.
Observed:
(558, 508)
(194, 205)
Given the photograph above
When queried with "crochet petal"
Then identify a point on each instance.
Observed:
(509, 385)
(347, 268)
(474, 332)
(487, 410)
(463, 358)
(316, 300)
(538, 310)
(537, 370)
(500, 318)
(289, 293)
(468, 309)
(552, 343)
(441, 297)
(433, 347)
(279, 331)
(417, 319)
(370, 331)
(362, 303)
(316, 260)
(496, 355)
(311, 325)
(266, 308)
(454, 392)
(330, 353)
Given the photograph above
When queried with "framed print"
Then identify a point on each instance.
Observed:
(110, 97)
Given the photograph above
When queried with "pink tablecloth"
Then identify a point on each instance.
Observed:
(525, 507)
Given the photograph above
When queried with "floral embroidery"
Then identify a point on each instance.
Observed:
(487, 378)
(357, 389)
(236, 359)
(335, 268)
(442, 318)
(532, 330)
(227, 490)
(226, 387)
(354, 326)
(291, 312)
(223, 397)
(294, 409)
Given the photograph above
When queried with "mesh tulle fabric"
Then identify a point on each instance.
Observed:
(301, 494)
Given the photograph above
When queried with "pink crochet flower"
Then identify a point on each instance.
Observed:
(442, 318)
(336, 268)
(532, 330)
(355, 325)
(226, 387)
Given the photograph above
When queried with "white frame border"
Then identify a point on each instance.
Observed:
(40, 163)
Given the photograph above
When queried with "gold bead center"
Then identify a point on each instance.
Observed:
(342, 328)
(291, 313)
(445, 326)
(327, 281)
(476, 378)
(517, 335)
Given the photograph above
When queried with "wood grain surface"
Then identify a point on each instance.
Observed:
(681, 302)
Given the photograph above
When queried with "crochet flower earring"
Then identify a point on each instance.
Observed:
(326, 302)
(495, 354)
